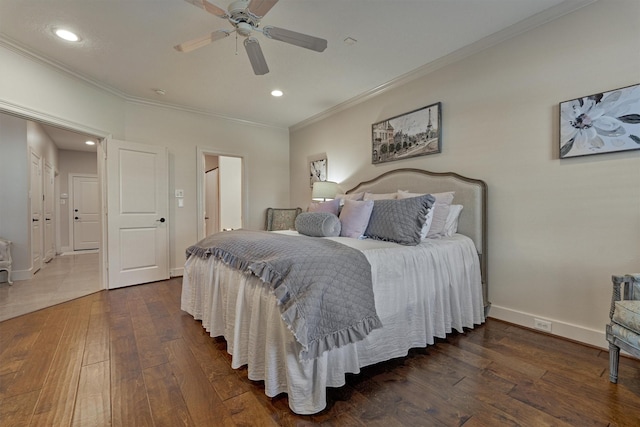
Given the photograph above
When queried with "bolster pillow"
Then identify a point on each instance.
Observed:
(318, 224)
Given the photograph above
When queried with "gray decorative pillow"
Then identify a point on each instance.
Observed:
(318, 224)
(399, 220)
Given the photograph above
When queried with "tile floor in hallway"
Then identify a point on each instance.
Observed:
(64, 278)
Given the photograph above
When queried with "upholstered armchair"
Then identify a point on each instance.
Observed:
(5, 258)
(624, 330)
(282, 219)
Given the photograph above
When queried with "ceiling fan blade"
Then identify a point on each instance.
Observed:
(256, 57)
(209, 7)
(259, 8)
(201, 41)
(298, 39)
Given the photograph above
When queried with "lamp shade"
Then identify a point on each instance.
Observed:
(323, 190)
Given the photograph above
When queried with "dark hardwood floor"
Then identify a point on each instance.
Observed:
(131, 357)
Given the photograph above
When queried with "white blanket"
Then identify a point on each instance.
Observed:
(421, 292)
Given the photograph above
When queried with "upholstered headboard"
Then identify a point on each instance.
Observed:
(471, 193)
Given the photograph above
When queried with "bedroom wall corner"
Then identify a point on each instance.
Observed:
(558, 229)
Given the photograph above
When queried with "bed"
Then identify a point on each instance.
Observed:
(420, 293)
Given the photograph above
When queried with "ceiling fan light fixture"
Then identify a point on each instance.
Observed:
(244, 29)
(277, 93)
(66, 35)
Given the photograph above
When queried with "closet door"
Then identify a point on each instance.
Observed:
(35, 197)
(49, 223)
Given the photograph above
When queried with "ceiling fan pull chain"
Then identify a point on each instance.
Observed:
(236, 44)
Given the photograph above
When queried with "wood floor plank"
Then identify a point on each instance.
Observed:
(93, 404)
(33, 372)
(526, 367)
(165, 397)
(58, 394)
(16, 351)
(129, 400)
(97, 343)
(205, 407)
(245, 411)
(18, 410)
(560, 404)
(150, 349)
(508, 411)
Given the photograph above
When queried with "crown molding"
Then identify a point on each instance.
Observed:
(494, 39)
(30, 114)
(16, 47)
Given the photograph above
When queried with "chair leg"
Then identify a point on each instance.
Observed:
(8, 270)
(614, 359)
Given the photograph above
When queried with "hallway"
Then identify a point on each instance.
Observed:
(64, 278)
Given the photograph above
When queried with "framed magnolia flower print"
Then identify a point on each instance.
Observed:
(602, 123)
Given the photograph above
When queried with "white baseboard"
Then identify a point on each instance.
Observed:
(19, 275)
(176, 272)
(64, 249)
(566, 330)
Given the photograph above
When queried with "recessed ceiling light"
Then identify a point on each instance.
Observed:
(67, 35)
(276, 93)
(90, 143)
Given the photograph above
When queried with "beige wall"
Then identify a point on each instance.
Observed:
(558, 229)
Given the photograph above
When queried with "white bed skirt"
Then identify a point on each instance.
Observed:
(420, 292)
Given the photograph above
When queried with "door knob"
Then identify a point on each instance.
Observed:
(75, 210)
(35, 220)
(161, 220)
(77, 218)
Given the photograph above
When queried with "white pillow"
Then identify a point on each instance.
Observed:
(440, 211)
(451, 224)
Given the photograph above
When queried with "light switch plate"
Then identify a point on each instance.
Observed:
(179, 193)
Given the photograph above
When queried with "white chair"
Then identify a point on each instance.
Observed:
(5, 258)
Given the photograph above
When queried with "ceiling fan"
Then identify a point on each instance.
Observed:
(245, 16)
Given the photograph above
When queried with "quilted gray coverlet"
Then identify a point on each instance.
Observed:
(323, 287)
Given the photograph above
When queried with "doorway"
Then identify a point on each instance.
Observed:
(220, 192)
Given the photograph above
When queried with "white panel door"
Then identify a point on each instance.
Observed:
(86, 213)
(138, 204)
(49, 224)
(35, 194)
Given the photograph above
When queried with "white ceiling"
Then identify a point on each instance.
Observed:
(127, 47)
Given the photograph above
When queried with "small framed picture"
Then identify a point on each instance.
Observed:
(412, 134)
(317, 171)
(601, 123)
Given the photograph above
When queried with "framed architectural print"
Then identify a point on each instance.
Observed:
(412, 134)
(317, 171)
(601, 123)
